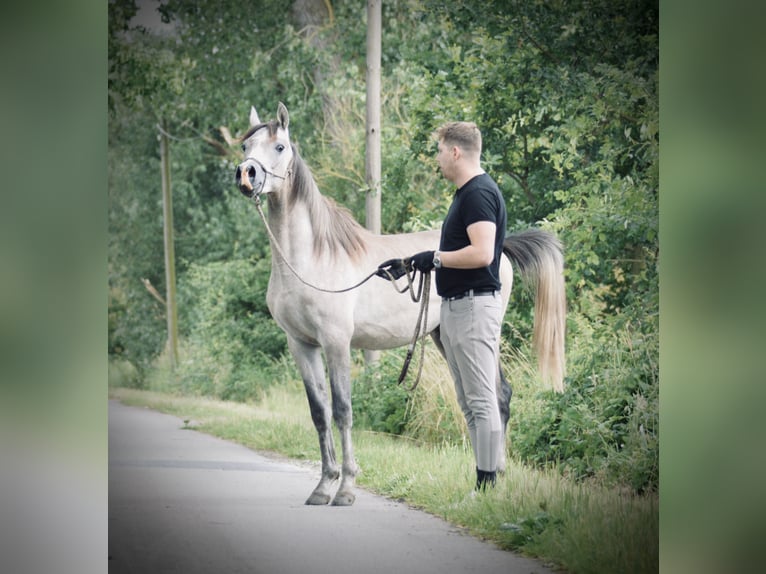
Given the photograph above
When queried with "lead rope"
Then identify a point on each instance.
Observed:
(282, 255)
(422, 296)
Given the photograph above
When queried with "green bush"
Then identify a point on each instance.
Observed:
(428, 414)
(122, 373)
(233, 342)
(606, 423)
(379, 403)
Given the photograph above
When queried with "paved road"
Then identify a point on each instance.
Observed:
(182, 501)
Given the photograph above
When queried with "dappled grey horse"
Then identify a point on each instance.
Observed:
(316, 243)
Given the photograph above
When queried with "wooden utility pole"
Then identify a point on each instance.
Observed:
(170, 257)
(372, 162)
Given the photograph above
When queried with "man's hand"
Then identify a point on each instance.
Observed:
(391, 269)
(423, 261)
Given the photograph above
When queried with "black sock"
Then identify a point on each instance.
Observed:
(485, 478)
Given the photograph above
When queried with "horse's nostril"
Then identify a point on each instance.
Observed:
(250, 177)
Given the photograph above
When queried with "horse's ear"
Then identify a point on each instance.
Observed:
(283, 116)
(254, 121)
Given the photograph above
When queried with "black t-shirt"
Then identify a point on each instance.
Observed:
(478, 200)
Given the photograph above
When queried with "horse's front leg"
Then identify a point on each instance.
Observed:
(339, 367)
(309, 361)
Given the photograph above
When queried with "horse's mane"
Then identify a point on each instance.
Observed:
(335, 228)
(272, 125)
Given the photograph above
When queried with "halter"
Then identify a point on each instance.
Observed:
(267, 172)
(271, 173)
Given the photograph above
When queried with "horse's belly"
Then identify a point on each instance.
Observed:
(386, 319)
(390, 331)
(378, 339)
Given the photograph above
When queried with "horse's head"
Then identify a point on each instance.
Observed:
(268, 154)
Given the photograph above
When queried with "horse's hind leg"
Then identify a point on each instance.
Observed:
(309, 361)
(504, 393)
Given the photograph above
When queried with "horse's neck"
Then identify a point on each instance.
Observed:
(312, 232)
(293, 232)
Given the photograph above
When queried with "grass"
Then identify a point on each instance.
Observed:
(581, 528)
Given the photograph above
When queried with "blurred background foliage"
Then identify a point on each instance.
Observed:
(566, 96)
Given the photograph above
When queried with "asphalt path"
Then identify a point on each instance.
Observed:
(183, 501)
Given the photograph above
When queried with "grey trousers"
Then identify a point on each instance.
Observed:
(470, 333)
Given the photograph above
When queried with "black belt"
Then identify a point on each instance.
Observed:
(470, 293)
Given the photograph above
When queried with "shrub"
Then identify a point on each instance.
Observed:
(123, 373)
(233, 342)
(429, 413)
(606, 423)
(379, 403)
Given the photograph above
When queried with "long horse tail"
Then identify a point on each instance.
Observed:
(538, 256)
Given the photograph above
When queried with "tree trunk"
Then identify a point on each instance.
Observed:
(170, 258)
(372, 163)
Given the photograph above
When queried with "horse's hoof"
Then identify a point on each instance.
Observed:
(317, 499)
(344, 499)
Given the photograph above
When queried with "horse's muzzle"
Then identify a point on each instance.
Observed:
(250, 177)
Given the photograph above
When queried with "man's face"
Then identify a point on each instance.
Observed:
(445, 160)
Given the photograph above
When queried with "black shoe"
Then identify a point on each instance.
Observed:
(485, 479)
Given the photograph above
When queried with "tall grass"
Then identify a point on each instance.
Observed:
(434, 414)
(580, 527)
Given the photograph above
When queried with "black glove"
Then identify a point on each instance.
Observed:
(423, 261)
(393, 268)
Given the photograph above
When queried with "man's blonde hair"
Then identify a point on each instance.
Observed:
(465, 135)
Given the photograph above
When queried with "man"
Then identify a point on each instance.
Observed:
(468, 280)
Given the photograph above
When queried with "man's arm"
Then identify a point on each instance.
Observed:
(479, 253)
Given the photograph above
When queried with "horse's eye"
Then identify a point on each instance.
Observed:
(244, 147)
(280, 148)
